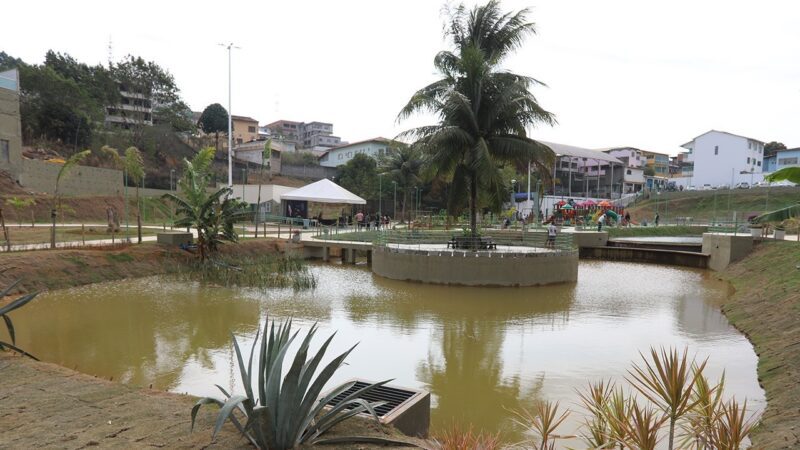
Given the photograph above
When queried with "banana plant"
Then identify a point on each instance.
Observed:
(286, 412)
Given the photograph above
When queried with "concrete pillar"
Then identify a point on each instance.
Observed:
(351, 255)
(326, 253)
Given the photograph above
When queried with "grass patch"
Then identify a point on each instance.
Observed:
(119, 257)
(263, 272)
(656, 231)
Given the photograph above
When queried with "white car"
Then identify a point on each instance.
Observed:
(690, 188)
(743, 185)
(708, 187)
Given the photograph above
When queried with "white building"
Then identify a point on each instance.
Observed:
(341, 155)
(722, 158)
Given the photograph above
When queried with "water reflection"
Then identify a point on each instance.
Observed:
(478, 350)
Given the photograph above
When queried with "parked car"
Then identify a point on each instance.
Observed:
(691, 188)
(723, 186)
(743, 185)
(708, 187)
(761, 184)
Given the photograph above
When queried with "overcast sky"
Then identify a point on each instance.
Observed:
(640, 73)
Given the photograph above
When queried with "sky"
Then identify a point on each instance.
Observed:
(647, 74)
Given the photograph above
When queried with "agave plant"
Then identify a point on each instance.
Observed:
(668, 382)
(15, 304)
(286, 412)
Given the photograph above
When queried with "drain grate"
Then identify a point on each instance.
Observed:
(393, 397)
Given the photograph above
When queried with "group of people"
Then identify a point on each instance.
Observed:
(371, 221)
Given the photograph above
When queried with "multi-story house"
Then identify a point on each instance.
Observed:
(721, 158)
(634, 161)
(376, 148)
(659, 162)
(134, 109)
(317, 136)
(245, 129)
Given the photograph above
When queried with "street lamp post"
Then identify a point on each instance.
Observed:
(171, 175)
(230, 47)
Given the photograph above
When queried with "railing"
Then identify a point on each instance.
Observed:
(500, 241)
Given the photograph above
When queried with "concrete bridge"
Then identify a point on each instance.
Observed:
(315, 248)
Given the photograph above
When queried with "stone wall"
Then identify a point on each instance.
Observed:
(312, 172)
(476, 269)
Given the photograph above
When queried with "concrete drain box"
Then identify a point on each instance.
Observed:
(408, 410)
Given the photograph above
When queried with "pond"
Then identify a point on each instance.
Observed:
(479, 351)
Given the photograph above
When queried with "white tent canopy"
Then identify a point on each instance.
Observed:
(324, 191)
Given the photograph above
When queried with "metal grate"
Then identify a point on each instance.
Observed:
(393, 397)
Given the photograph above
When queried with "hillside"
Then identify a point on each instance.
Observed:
(720, 204)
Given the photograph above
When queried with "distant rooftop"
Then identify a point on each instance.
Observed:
(579, 152)
(723, 132)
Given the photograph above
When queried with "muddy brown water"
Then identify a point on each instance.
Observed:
(479, 351)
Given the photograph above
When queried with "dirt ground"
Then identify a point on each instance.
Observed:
(766, 308)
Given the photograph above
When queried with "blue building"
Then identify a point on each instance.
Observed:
(782, 158)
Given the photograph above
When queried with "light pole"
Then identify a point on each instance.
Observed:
(243, 181)
(380, 196)
(230, 47)
(394, 201)
(171, 175)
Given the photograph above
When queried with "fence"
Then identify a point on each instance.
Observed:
(508, 242)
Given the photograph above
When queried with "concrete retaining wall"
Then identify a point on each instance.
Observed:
(644, 255)
(590, 238)
(475, 269)
(40, 176)
(725, 249)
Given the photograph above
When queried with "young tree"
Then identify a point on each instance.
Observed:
(265, 155)
(484, 110)
(73, 161)
(19, 205)
(214, 119)
(132, 164)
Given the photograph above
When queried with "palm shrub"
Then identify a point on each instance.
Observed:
(483, 110)
(543, 421)
(286, 412)
(14, 304)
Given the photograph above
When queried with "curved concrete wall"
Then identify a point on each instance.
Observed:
(475, 269)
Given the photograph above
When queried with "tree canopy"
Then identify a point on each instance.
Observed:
(214, 119)
(770, 148)
(484, 110)
(360, 176)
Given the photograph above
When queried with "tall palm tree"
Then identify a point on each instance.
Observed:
(404, 166)
(483, 110)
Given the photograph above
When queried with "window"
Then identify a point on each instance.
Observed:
(251, 129)
(4, 150)
(759, 164)
(268, 207)
(629, 171)
(716, 150)
(748, 160)
(341, 156)
(749, 144)
(781, 162)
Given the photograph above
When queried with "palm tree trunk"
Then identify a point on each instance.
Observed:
(473, 204)
(403, 219)
(138, 217)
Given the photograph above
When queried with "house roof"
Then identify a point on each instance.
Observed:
(579, 152)
(382, 140)
(723, 132)
(243, 118)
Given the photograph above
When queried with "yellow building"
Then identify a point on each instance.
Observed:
(245, 129)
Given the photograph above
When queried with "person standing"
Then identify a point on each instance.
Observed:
(359, 219)
(551, 235)
(600, 221)
(627, 219)
(656, 219)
